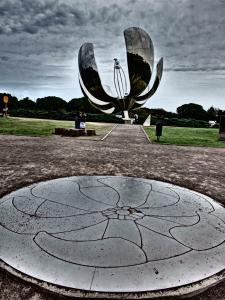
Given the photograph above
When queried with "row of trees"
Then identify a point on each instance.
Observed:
(197, 112)
(56, 104)
(50, 103)
(187, 111)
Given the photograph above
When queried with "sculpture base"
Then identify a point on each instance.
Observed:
(127, 121)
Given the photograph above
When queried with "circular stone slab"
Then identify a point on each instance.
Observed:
(112, 234)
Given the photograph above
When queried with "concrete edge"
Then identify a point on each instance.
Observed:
(182, 292)
(107, 134)
(147, 137)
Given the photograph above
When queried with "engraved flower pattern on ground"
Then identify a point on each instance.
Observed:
(119, 221)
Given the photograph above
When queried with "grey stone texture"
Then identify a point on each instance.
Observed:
(111, 234)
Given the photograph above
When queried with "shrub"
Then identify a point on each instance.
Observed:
(68, 116)
(186, 123)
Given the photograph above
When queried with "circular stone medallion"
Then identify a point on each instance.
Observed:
(112, 234)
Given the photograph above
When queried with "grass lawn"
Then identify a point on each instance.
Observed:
(187, 136)
(40, 127)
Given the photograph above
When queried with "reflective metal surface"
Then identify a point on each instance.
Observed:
(140, 59)
(141, 100)
(90, 81)
(120, 81)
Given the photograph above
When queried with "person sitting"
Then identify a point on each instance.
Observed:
(82, 118)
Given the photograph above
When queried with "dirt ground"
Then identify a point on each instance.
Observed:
(25, 160)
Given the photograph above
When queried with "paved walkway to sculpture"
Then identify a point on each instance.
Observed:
(127, 135)
(25, 160)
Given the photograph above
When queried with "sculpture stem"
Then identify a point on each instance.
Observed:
(126, 115)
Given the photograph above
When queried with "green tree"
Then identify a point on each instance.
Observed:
(192, 111)
(51, 103)
(26, 103)
(82, 104)
(212, 113)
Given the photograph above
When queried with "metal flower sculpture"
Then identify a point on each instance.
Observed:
(140, 57)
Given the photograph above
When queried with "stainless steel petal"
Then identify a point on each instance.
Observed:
(90, 76)
(140, 99)
(140, 58)
(106, 107)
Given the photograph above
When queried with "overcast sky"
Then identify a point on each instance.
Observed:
(40, 40)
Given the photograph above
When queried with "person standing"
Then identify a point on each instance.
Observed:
(77, 121)
(136, 119)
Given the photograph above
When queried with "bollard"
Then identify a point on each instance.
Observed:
(158, 129)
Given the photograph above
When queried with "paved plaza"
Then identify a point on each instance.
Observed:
(145, 231)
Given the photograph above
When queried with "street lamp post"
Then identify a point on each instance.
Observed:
(6, 100)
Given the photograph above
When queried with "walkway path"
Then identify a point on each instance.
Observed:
(126, 151)
(127, 134)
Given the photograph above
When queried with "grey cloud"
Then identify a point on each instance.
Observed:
(40, 39)
(4, 58)
(196, 69)
(54, 16)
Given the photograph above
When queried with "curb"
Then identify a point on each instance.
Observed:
(147, 137)
(107, 134)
